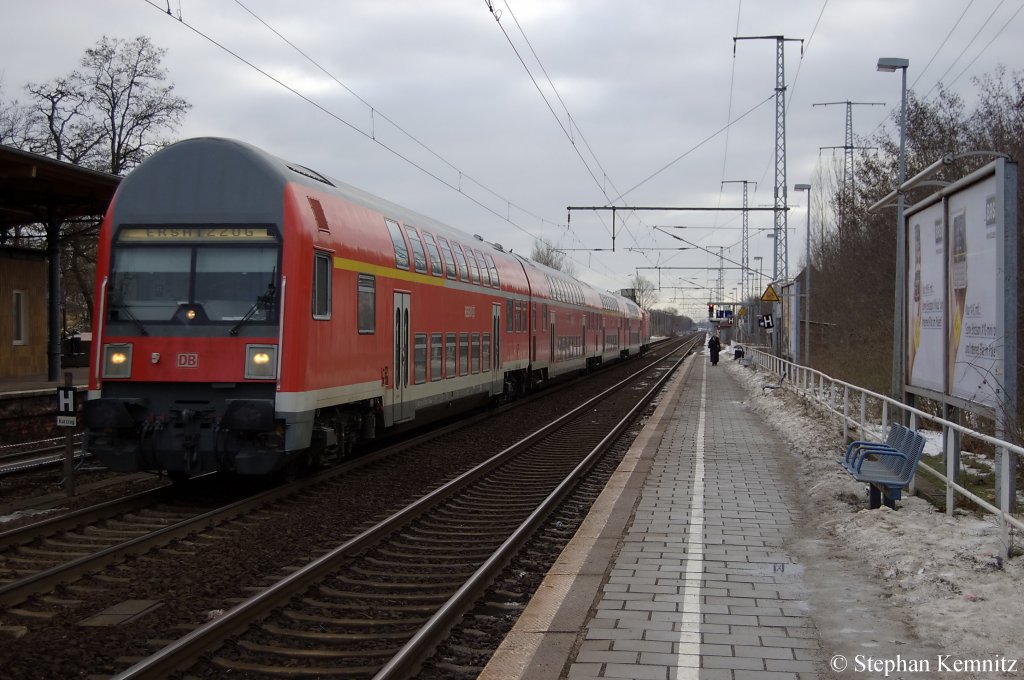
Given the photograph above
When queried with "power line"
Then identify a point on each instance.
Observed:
(964, 50)
(941, 45)
(692, 149)
(987, 45)
(728, 113)
(370, 136)
(567, 131)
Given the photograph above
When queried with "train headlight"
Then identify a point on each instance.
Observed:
(261, 362)
(117, 361)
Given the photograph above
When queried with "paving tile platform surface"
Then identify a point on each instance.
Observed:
(681, 569)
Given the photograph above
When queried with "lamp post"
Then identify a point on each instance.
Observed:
(890, 64)
(807, 278)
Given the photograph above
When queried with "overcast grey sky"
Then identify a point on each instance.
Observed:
(645, 82)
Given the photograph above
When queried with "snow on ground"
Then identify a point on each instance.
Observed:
(943, 576)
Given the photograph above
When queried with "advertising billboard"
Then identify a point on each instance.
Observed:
(926, 299)
(975, 354)
(961, 296)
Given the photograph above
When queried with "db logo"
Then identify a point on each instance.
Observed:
(188, 360)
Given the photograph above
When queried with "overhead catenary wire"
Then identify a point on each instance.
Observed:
(728, 112)
(567, 131)
(506, 217)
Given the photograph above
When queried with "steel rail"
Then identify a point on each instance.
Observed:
(419, 648)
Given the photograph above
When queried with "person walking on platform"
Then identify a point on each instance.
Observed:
(714, 346)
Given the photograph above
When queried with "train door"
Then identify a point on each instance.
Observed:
(497, 376)
(401, 409)
(551, 338)
(583, 335)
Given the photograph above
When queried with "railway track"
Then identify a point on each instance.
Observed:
(159, 536)
(378, 605)
(39, 458)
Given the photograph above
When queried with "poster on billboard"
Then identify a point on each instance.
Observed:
(975, 352)
(926, 299)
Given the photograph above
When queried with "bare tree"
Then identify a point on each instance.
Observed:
(545, 252)
(107, 115)
(132, 103)
(644, 291)
(62, 126)
(14, 122)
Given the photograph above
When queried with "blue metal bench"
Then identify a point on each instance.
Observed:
(888, 466)
(856, 449)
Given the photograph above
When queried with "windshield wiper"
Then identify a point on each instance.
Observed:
(115, 305)
(265, 301)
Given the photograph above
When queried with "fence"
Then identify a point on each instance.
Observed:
(857, 406)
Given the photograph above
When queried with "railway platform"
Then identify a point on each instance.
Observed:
(11, 386)
(693, 562)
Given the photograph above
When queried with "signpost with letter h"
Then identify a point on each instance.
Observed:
(67, 417)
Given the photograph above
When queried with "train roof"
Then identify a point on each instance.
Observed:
(228, 180)
(242, 179)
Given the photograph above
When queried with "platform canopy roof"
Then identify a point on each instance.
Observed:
(34, 188)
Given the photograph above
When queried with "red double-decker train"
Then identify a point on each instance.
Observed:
(253, 315)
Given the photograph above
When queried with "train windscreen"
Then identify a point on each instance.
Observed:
(195, 274)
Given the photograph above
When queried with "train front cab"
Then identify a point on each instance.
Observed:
(189, 294)
(185, 369)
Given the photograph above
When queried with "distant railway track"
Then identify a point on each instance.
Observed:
(31, 459)
(159, 536)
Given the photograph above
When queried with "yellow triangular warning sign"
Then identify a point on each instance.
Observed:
(769, 295)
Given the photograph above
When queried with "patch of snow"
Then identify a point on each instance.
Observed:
(943, 576)
(21, 514)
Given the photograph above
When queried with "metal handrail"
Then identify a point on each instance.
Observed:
(803, 380)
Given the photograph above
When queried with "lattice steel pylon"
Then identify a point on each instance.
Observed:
(745, 252)
(780, 268)
(847, 192)
(720, 284)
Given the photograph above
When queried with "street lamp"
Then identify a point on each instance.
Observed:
(807, 278)
(890, 64)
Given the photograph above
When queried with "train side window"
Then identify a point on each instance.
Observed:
(449, 259)
(544, 317)
(460, 258)
(436, 356)
(474, 353)
(485, 275)
(534, 326)
(463, 353)
(435, 254)
(510, 317)
(419, 255)
(419, 358)
(517, 322)
(493, 268)
(474, 268)
(322, 286)
(366, 304)
(401, 251)
(450, 351)
(486, 358)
